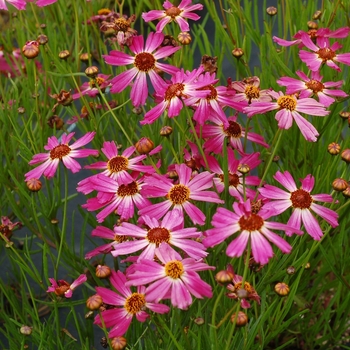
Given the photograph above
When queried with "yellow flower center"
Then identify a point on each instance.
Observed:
(179, 194)
(287, 102)
(117, 164)
(128, 190)
(174, 269)
(135, 303)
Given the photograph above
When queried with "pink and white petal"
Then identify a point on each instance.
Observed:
(286, 180)
(51, 168)
(261, 248)
(283, 42)
(157, 290)
(162, 23)
(236, 248)
(158, 308)
(153, 15)
(195, 214)
(180, 296)
(311, 225)
(142, 316)
(39, 158)
(152, 115)
(322, 197)
(157, 210)
(327, 214)
(284, 246)
(331, 64)
(294, 220)
(308, 183)
(306, 128)
(311, 59)
(129, 247)
(118, 280)
(153, 41)
(184, 26)
(118, 58)
(137, 44)
(139, 90)
(343, 58)
(122, 324)
(110, 297)
(324, 99)
(284, 118)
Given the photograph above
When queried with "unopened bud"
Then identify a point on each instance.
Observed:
(63, 55)
(94, 302)
(144, 145)
(118, 343)
(317, 15)
(84, 57)
(312, 25)
(34, 185)
(282, 289)
(31, 49)
(91, 71)
(102, 271)
(339, 185)
(238, 53)
(42, 39)
(333, 148)
(241, 319)
(166, 130)
(345, 155)
(271, 11)
(184, 38)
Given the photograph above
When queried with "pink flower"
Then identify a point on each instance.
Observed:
(177, 14)
(233, 133)
(42, 3)
(235, 179)
(126, 305)
(251, 226)
(312, 86)
(322, 54)
(116, 166)
(60, 151)
(179, 195)
(7, 227)
(105, 233)
(169, 97)
(90, 88)
(169, 231)
(302, 202)
(174, 279)
(144, 62)
(19, 4)
(288, 107)
(115, 196)
(63, 289)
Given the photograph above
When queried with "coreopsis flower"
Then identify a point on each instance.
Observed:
(193, 159)
(302, 203)
(240, 292)
(116, 196)
(145, 62)
(252, 227)
(168, 231)
(105, 233)
(175, 278)
(178, 14)
(316, 35)
(288, 107)
(233, 133)
(213, 102)
(170, 96)
(324, 53)
(117, 166)
(248, 91)
(19, 4)
(235, 178)
(90, 88)
(126, 305)
(7, 227)
(313, 86)
(180, 194)
(60, 151)
(63, 289)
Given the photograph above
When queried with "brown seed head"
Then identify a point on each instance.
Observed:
(42, 39)
(55, 122)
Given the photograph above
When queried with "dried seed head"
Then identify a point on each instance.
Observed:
(241, 320)
(42, 39)
(169, 41)
(63, 55)
(238, 53)
(333, 148)
(282, 289)
(144, 145)
(31, 49)
(43, 26)
(317, 15)
(104, 342)
(290, 270)
(137, 110)
(209, 64)
(271, 11)
(55, 122)
(102, 271)
(92, 71)
(345, 155)
(84, 57)
(339, 185)
(312, 25)
(166, 130)
(94, 302)
(184, 38)
(34, 185)
(118, 343)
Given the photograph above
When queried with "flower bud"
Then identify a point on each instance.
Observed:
(339, 185)
(243, 168)
(26, 330)
(34, 185)
(54, 221)
(91, 71)
(55, 122)
(42, 39)
(238, 53)
(21, 110)
(312, 25)
(333, 148)
(102, 271)
(241, 320)
(317, 15)
(144, 145)
(84, 57)
(307, 266)
(94, 302)
(271, 11)
(184, 38)
(344, 114)
(224, 276)
(118, 343)
(290, 270)
(345, 155)
(31, 49)
(166, 130)
(346, 192)
(63, 55)
(282, 289)
(199, 321)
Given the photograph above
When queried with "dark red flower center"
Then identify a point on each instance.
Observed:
(251, 223)
(233, 179)
(174, 90)
(326, 54)
(315, 85)
(213, 92)
(128, 190)
(173, 12)
(287, 102)
(158, 235)
(174, 269)
(144, 61)
(59, 152)
(135, 303)
(179, 194)
(301, 199)
(117, 164)
(233, 130)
